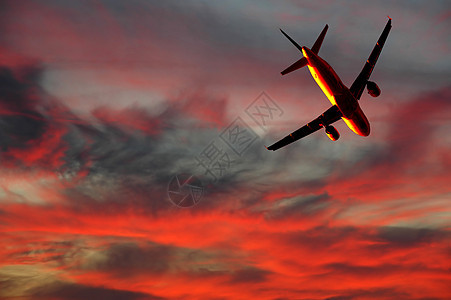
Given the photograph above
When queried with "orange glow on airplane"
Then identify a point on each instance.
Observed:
(344, 100)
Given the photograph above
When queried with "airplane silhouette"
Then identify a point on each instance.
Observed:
(344, 101)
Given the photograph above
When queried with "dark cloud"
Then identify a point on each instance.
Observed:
(380, 240)
(20, 121)
(362, 272)
(249, 275)
(128, 259)
(313, 220)
(411, 237)
(64, 290)
(375, 293)
(323, 237)
(117, 146)
(129, 150)
(34, 283)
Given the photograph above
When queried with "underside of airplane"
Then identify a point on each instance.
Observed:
(344, 100)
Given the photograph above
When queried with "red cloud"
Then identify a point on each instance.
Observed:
(208, 250)
(84, 212)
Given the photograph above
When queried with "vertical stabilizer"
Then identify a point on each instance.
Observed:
(319, 40)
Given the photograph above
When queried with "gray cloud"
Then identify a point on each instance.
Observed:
(250, 275)
(128, 258)
(32, 282)
(375, 293)
(64, 290)
(409, 237)
(116, 161)
(21, 122)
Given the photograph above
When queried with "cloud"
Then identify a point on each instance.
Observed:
(110, 182)
(21, 122)
(84, 196)
(32, 283)
(409, 237)
(61, 290)
(250, 275)
(128, 258)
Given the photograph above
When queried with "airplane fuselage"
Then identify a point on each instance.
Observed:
(337, 93)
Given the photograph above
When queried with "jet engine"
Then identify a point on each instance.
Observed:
(373, 89)
(332, 132)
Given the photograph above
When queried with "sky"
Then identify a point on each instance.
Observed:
(107, 107)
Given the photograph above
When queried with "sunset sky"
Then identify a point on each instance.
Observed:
(103, 103)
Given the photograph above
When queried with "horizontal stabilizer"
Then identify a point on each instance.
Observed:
(297, 65)
(303, 61)
(291, 40)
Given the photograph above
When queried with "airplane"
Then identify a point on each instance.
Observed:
(344, 101)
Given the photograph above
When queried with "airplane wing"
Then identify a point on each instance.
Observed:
(330, 116)
(360, 82)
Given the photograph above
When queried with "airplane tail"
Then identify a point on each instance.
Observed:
(303, 61)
